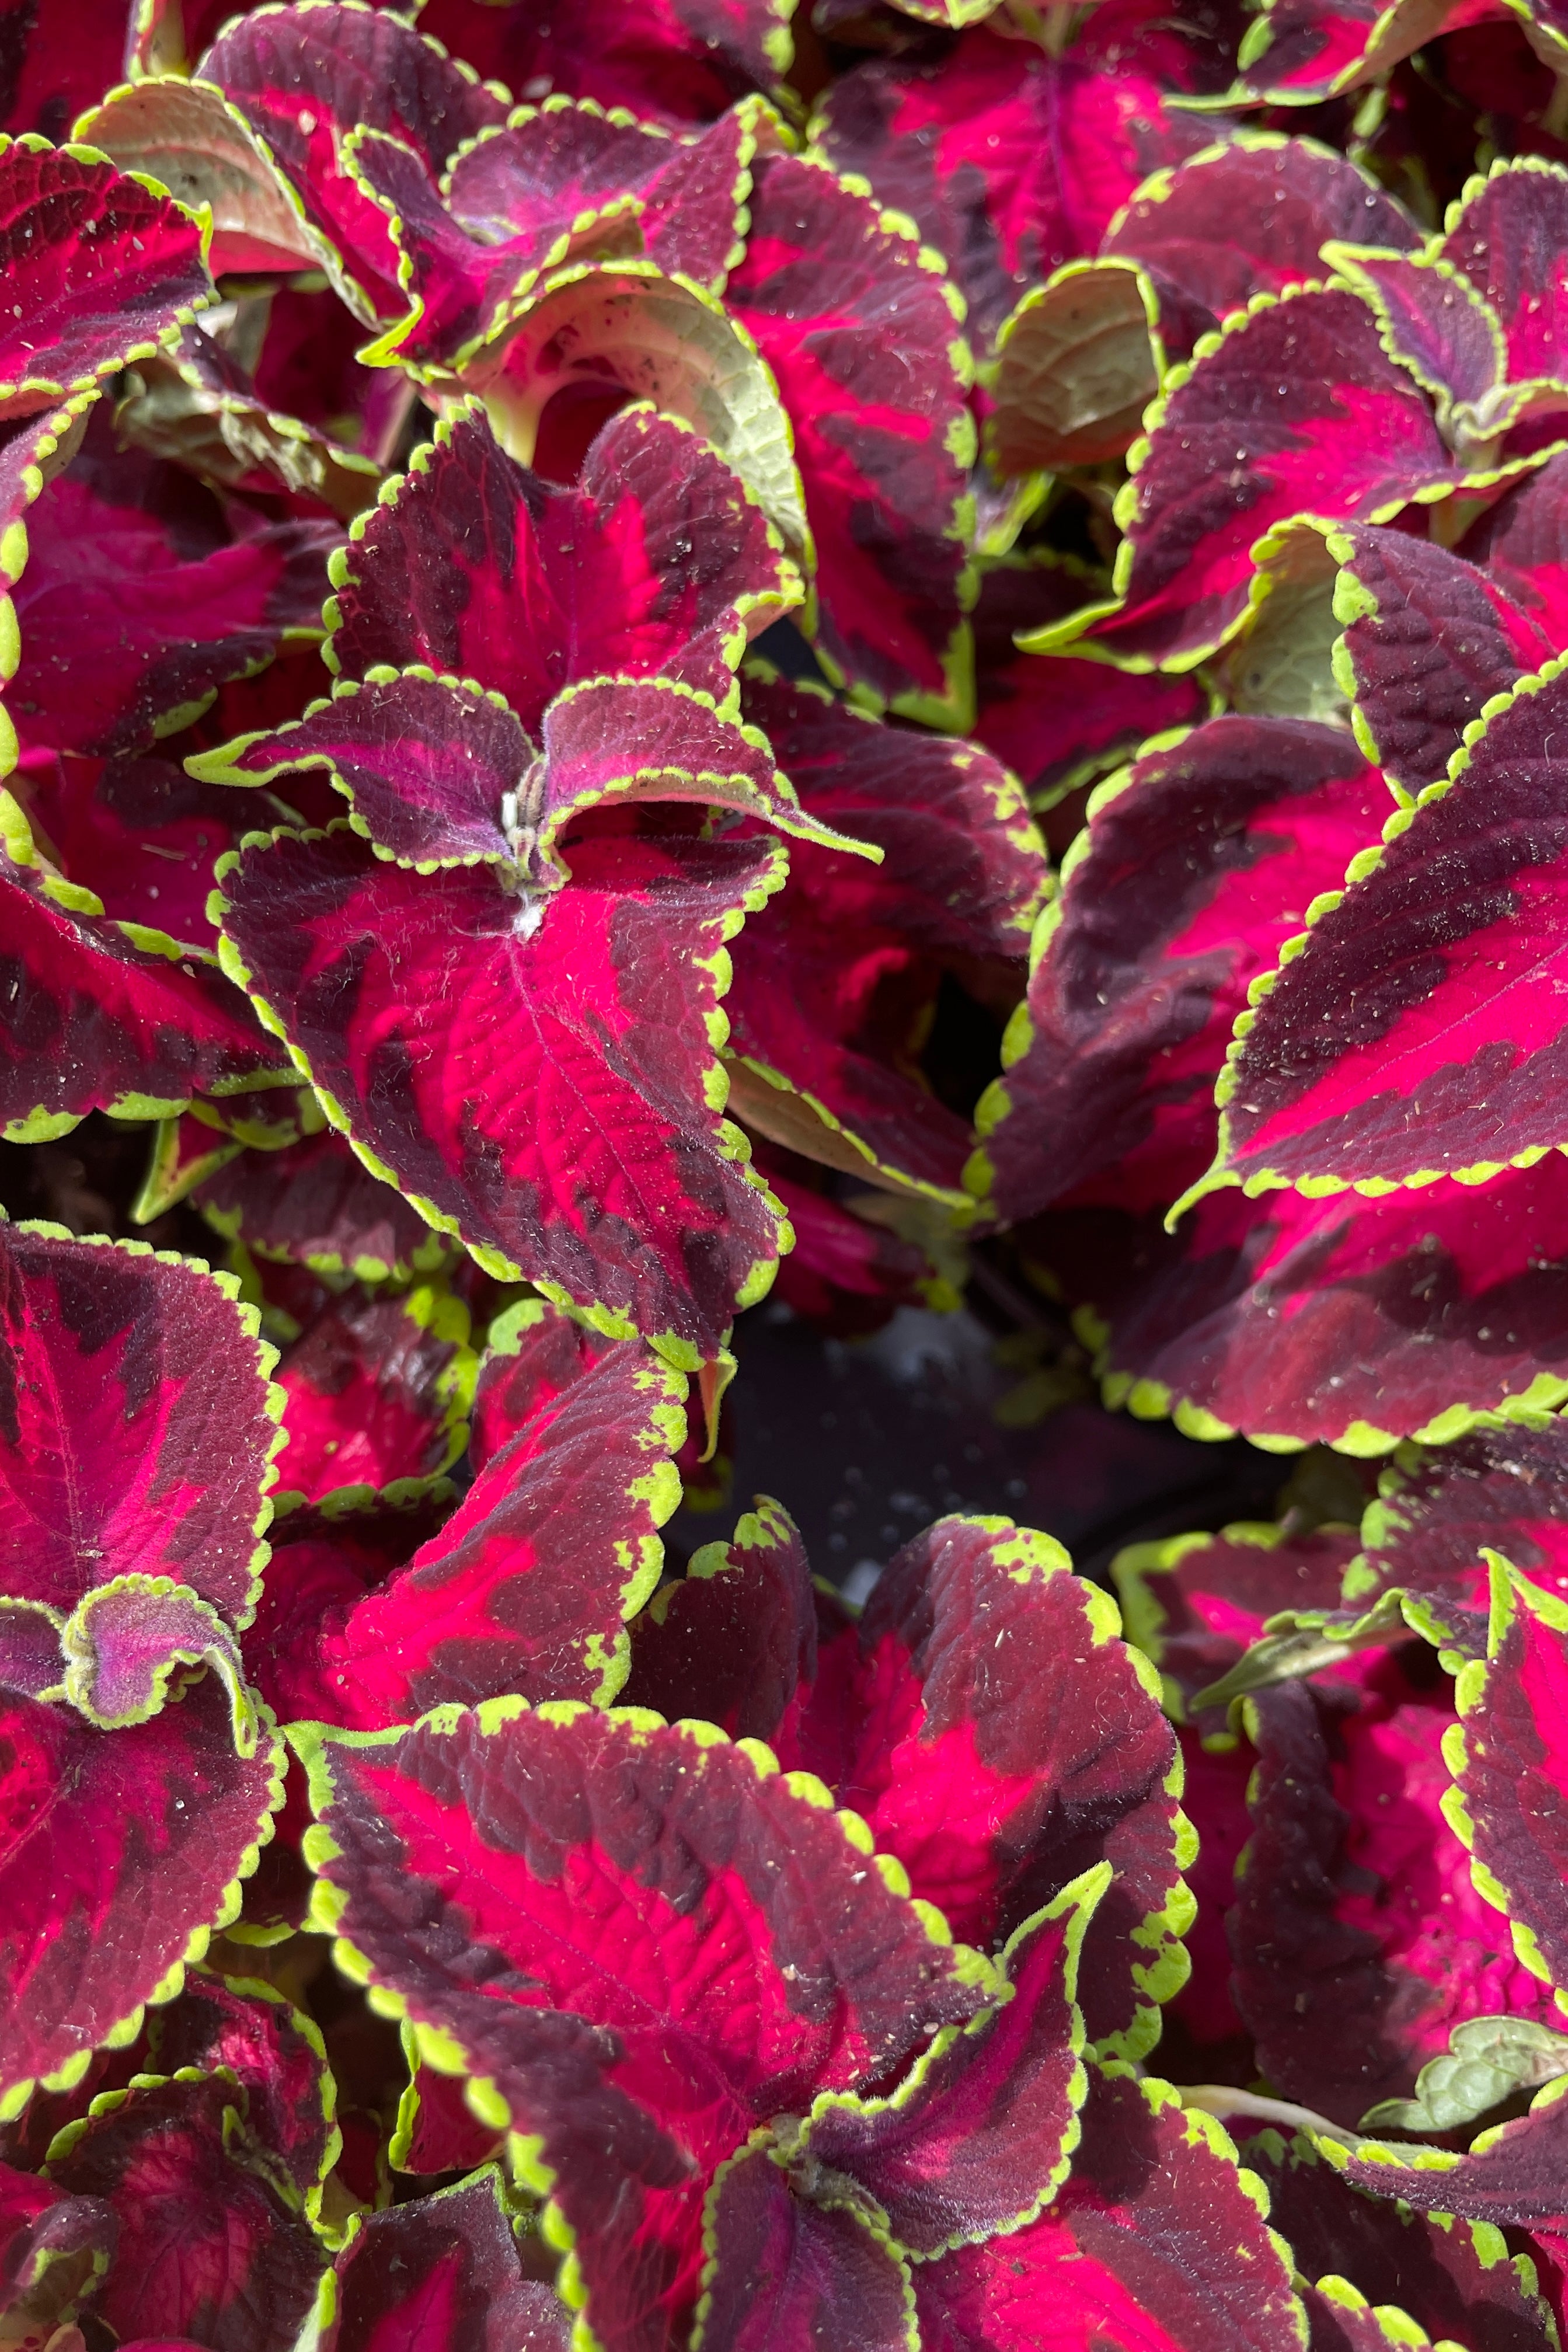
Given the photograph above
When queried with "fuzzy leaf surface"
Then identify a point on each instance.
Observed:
(793, 2274)
(1495, 1488)
(1456, 2281)
(1354, 1900)
(724, 1946)
(439, 775)
(985, 2129)
(1431, 639)
(1507, 1770)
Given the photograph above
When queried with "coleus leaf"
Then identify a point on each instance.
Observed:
(443, 2272)
(1354, 1900)
(137, 831)
(1080, 358)
(103, 267)
(438, 774)
(1436, 324)
(1456, 2280)
(206, 2247)
(301, 77)
(567, 161)
(137, 1425)
(52, 68)
(461, 287)
(376, 1389)
(537, 1838)
(104, 1015)
(185, 135)
(1511, 2175)
(655, 562)
(1505, 1755)
(1412, 1050)
(682, 61)
(1488, 2060)
(1192, 1603)
(980, 2136)
(270, 1120)
(1300, 52)
(1429, 640)
(599, 334)
(138, 601)
(1503, 237)
(275, 2053)
(1350, 1321)
(739, 1628)
(1521, 542)
(31, 455)
(796, 2272)
(1059, 723)
(1193, 865)
(436, 2130)
(993, 1801)
(308, 370)
(1078, 361)
(863, 337)
(850, 1269)
(528, 1585)
(628, 1194)
(1251, 217)
(315, 1204)
(560, 183)
(124, 1643)
(534, 1352)
(832, 984)
(127, 1851)
(1349, 435)
(198, 406)
(54, 2248)
(1142, 2246)
(1011, 161)
(964, 870)
(1439, 1514)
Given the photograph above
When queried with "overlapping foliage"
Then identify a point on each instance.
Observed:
(653, 655)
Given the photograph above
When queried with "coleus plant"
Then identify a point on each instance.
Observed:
(650, 655)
